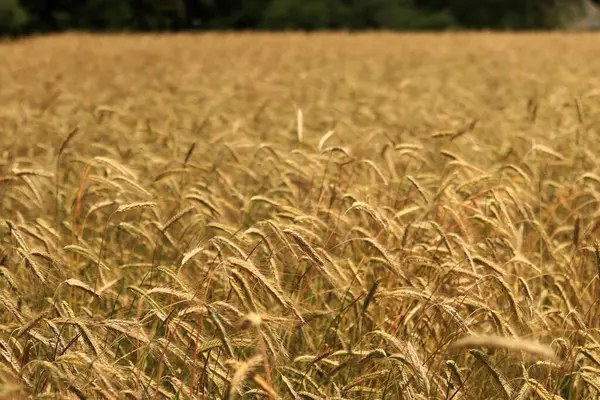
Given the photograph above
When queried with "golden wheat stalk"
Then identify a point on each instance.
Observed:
(506, 343)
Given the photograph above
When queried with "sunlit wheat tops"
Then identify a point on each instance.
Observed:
(291, 216)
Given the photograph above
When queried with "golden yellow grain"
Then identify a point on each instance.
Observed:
(508, 343)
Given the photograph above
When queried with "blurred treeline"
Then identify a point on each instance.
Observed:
(32, 16)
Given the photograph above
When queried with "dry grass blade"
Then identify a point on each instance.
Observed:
(132, 206)
(419, 368)
(241, 372)
(547, 150)
(32, 172)
(25, 252)
(419, 188)
(507, 343)
(116, 166)
(377, 171)
(300, 126)
(190, 254)
(541, 390)
(495, 372)
(8, 277)
(597, 254)
(128, 328)
(68, 139)
(27, 327)
(267, 284)
(358, 205)
(86, 253)
(406, 211)
(223, 333)
(189, 153)
(324, 139)
(177, 217)
(76, 283)
(304, 246)
(260, 381)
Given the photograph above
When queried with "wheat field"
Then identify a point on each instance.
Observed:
(300, 216)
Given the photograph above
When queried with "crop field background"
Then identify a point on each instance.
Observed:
(330, 215)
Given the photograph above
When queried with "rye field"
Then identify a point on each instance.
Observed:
(300, 216)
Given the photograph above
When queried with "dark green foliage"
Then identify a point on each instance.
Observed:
(13, 17)
(29, 16)
(307, 14)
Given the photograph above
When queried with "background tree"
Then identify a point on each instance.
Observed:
(29, 16)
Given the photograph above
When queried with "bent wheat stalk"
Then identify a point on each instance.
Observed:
(506, 343)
